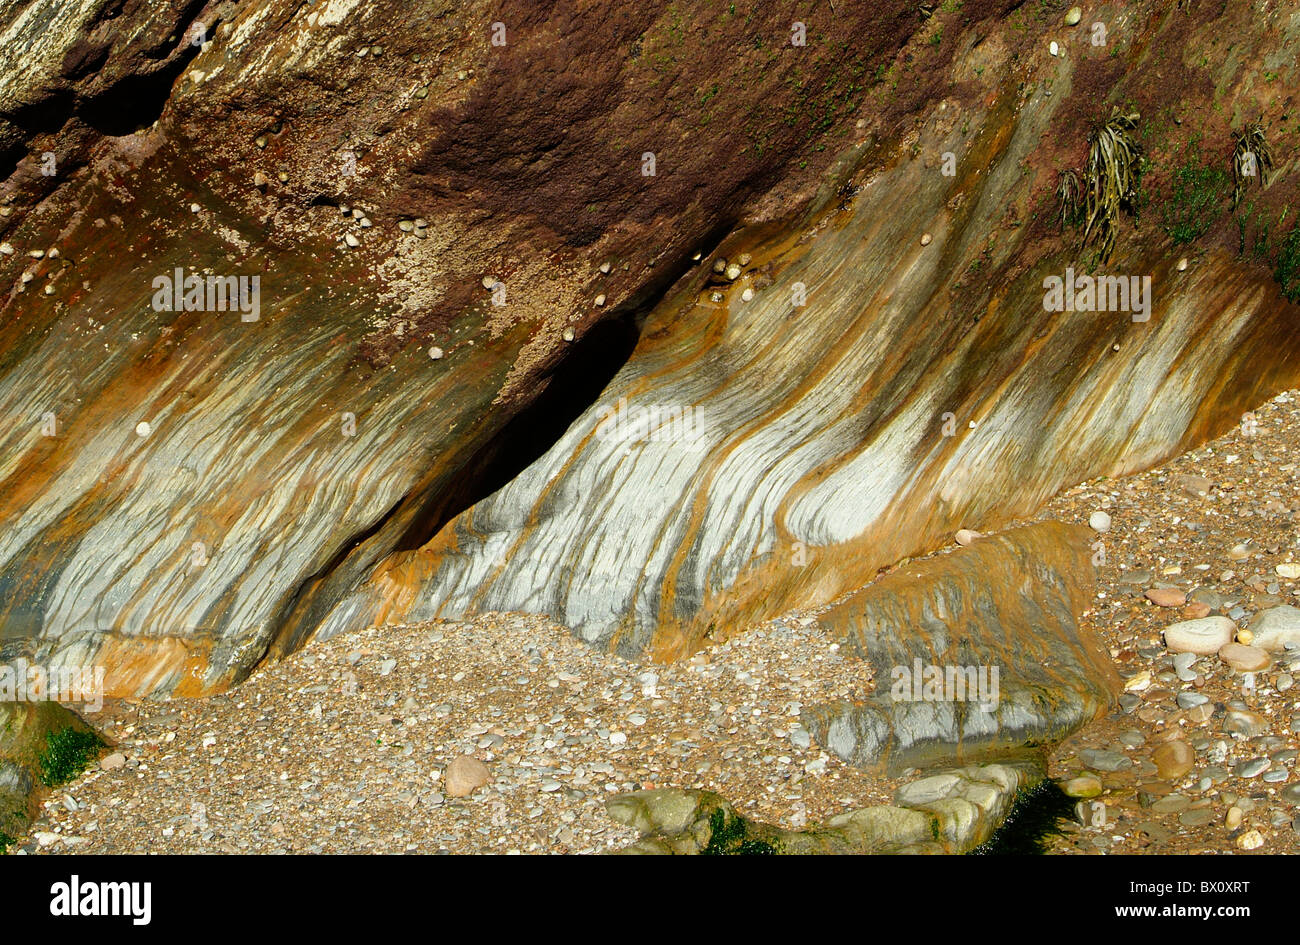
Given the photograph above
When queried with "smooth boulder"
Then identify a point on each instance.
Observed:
(1204, 636)
(975, 653)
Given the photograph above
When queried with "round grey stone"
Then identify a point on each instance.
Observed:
(1104, 760)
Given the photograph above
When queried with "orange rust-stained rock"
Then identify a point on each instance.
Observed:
(185, 492)
(869, 400)
(188, 493)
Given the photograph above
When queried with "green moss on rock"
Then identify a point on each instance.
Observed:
(67, 753)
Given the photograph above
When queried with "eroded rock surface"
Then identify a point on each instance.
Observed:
(974, 653)
(184, 491)
(858, 392)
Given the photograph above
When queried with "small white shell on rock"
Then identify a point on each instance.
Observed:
(489, 282)
(6, 249)
(605, 267)
(744, 259)
(966, 536)
(435, 353)
(600, 300)
(1054, 49)
(733, 272)
(143, 429)
(1073, 17)
(720, 265)
(406, 226)
(926, 239)
(1182, 264)
(568, 334)
(747, 295)
(351, 240)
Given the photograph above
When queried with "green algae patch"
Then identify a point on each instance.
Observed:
(1036, 815)
(67, 753)
(729, 836)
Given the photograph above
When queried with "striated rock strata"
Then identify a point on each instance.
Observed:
(877, 378)
(186, 492)
(185, 488)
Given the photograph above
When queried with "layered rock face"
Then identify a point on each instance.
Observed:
(187, 490)
(975, 654)
(190, 475)
(863, 387)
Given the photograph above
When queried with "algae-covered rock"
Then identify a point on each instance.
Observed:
(40, 743)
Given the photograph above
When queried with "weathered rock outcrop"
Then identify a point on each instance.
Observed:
(184, 493)
(880, 377)
(974, 654)
(186, 487)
